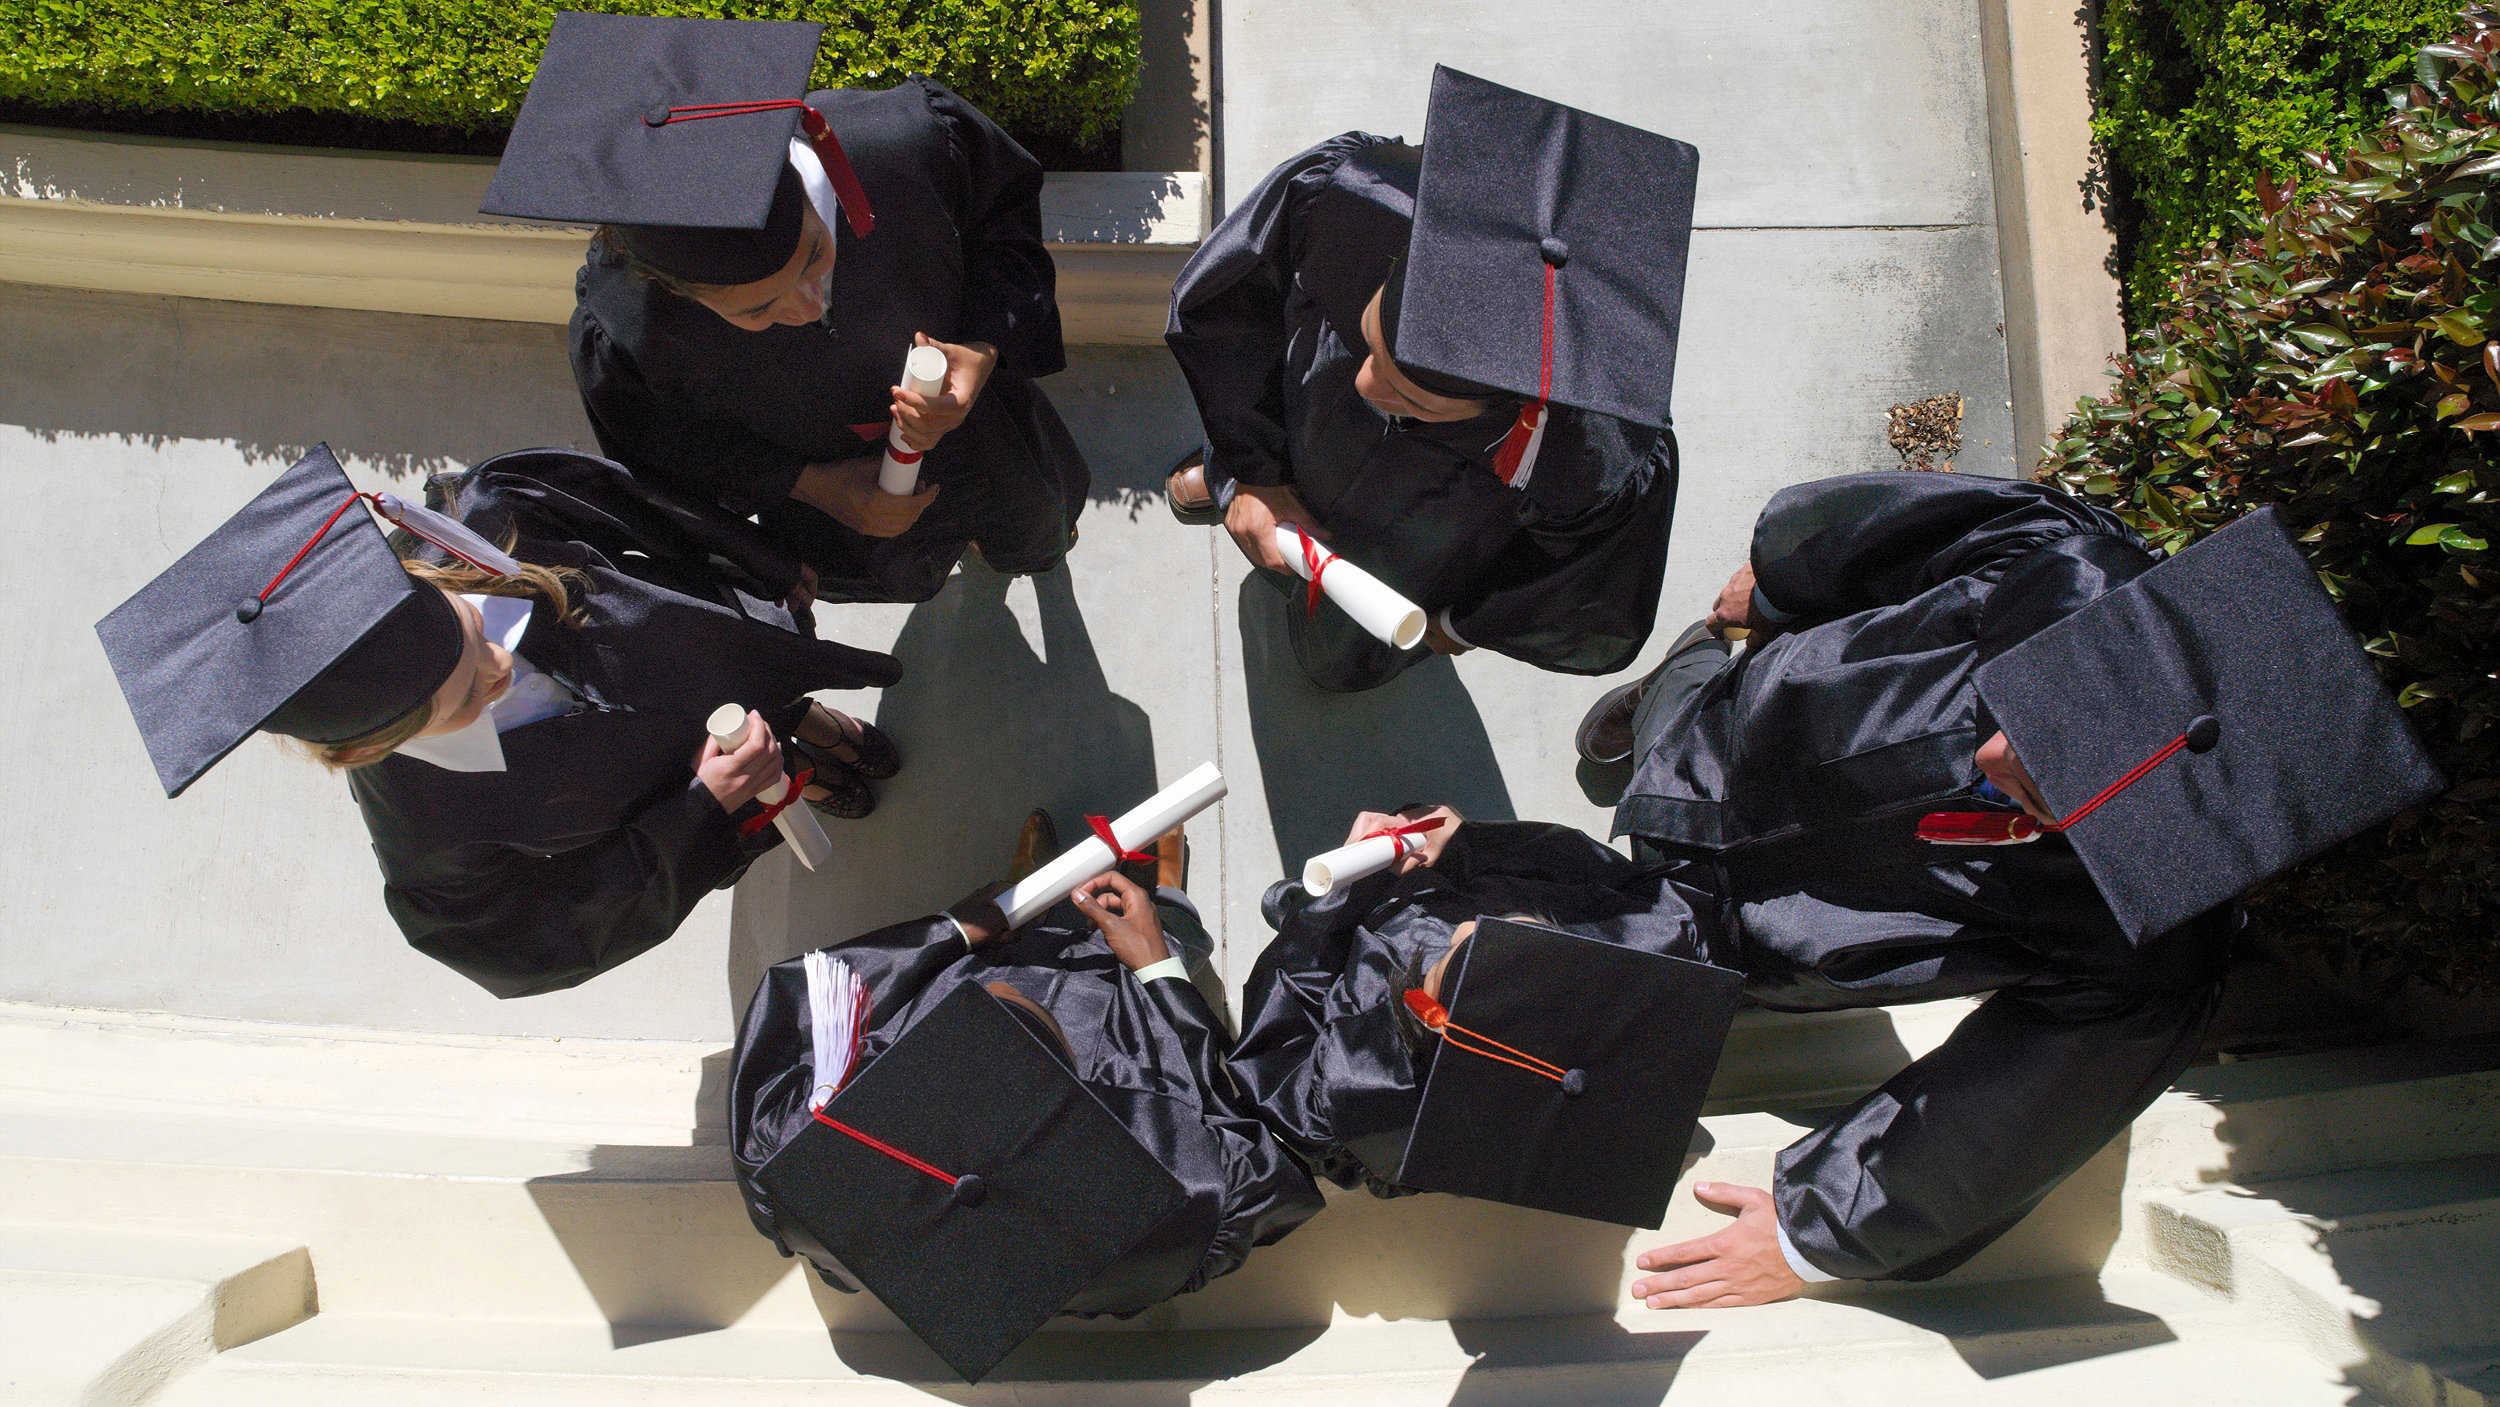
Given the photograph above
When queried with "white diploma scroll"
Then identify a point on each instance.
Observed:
(797, 824)
(924, 373)
(1090, 857)
(1348, 863)
(1391, 618)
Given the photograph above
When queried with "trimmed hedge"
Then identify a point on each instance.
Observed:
(2199, 100)
(2338, 359)
(1057, 69)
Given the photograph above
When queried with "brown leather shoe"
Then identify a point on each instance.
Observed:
(1185, 490)
(1172, 859)
(1038, 841)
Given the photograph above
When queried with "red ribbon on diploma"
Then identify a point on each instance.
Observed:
(1102, 832)
(789, 798)
(1316, 561)
(1433, 823)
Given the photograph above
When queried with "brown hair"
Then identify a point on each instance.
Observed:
(554, 585)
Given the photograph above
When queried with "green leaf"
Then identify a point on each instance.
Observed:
(2457, 539)
(2461, 481)
(2458, 327)
(2424, 537)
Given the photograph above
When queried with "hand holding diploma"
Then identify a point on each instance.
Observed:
(925, 417)
(1090, 857)
(1374, 604)
(924, 376)
(1376, 842)
(734, 732)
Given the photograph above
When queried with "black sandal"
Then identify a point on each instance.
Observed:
(848, 797)
(872, 749)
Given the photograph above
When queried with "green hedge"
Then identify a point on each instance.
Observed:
(2198, 100)
(2337, 358)
(1056, 68)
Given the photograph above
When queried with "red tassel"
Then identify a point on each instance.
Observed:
(1977, 828)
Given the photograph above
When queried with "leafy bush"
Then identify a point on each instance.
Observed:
(2338, 360)
(2200, 100)
(1057, 69)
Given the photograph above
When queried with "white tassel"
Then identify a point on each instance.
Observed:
(446, 533)
(837, 1024)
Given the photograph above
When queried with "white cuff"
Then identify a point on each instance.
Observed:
(1169, 967)
(1443, 620)
(1805, 1269)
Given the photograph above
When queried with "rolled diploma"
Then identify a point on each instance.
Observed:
(1089, 857)
(798, 824)
(924, 372)
(1391, 618)
(1348, 863)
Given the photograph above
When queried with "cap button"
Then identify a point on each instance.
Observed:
(2203, 732)
(1554, 251)
(970, 1190)
(657, 116)
(1573, 1082)
(249, 611)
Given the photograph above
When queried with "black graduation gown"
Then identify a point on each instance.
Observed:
(1789, 789)
(1151, 1052)
(1326, 1050)
(732, 416)
(1266, 321)
(597, 840)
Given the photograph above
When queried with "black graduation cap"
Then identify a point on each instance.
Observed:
(293, 617)
(1547, 258)
(2205, 727)
(1570, 1072)
(677, 131)
(970, 1182)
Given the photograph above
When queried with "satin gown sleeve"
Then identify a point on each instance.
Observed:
(1266, 1193)
(1838, 546)
(1227, 326)
(1010, 296)
(562, 497)
(711, 455)
(519, 924)
(1576, 590)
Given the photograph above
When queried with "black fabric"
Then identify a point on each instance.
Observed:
(1150, 1054)
(1513, 184)
(1784, 794)
(2309, 748)
(1638, 1036)
(718, 194)
(1064, 1190)
(1266, 322)
(596, 841)
(732, 417)
(1335, 1068)
(347, 643)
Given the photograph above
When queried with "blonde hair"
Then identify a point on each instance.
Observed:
(557, 586)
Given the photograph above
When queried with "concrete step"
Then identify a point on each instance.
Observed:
(2393, 1272)
(2077, 1341)
(98, 1318)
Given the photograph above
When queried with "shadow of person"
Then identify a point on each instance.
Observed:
(1323, 757)
(1114, 1368)
(990, 726)
(1587, 1360)
(659, 1239)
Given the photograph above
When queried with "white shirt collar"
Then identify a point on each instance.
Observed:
(479, 747)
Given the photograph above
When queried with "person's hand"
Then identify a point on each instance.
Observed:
(803, 595)
(983, 921)
(924, 420)
(1438, 640)
(738, 776)
(846, 491)
(1426, 846)
(1998, 762)
(1257, 511)
(1734, 608)
(1737, 1264)
(1126, 915)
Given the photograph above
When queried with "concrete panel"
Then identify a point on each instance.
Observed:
(130, 426)
(1859, 112)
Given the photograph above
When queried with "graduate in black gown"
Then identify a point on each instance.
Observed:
(1331, 1052)
(1104, 982)
(1942, 666)
(746, 308)
(524, 732)
(1453, 364)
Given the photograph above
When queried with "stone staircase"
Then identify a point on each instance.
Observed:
(544, 1221)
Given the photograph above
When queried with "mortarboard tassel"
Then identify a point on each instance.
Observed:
(829, 154)
(1433, 1014)
(2017, 828)
(969, 1189)
(489, 560)
(1516, 459)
